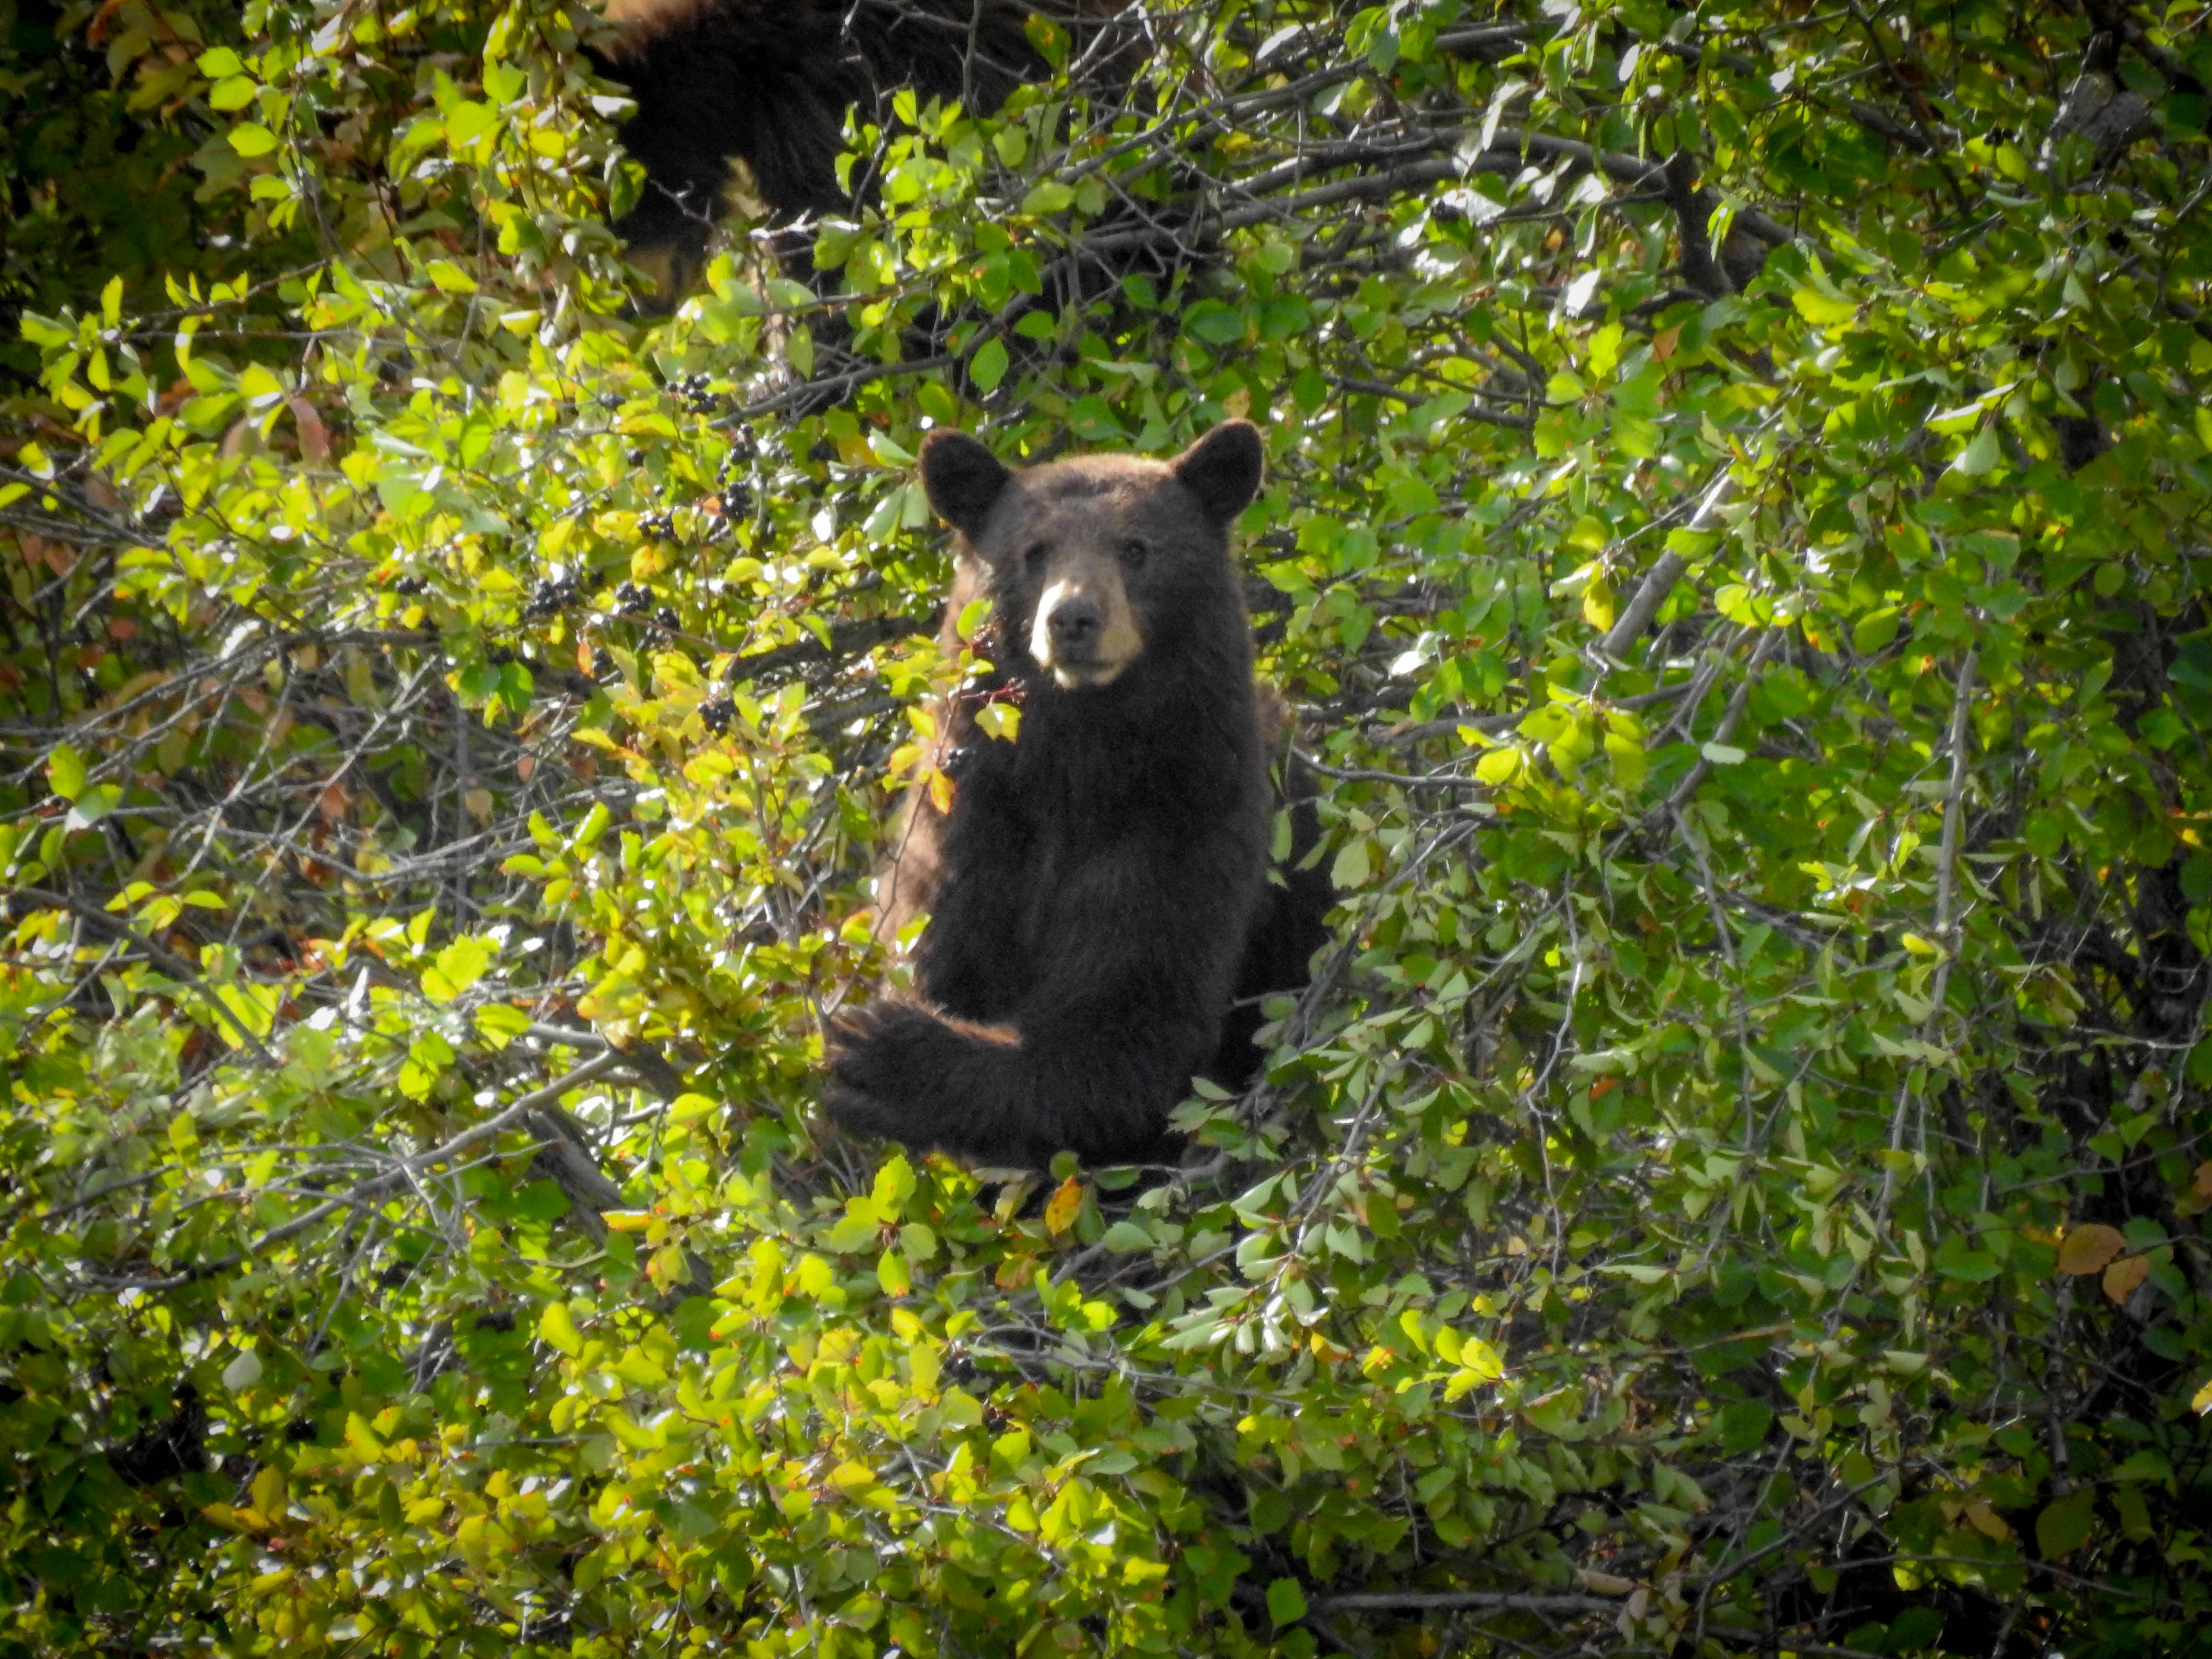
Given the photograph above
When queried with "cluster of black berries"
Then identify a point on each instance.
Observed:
(717, 712)
(734, 479)
(659, 526)
(552, 595)
(692, 390)
(634, 600)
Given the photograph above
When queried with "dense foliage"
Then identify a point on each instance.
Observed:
(1739, 501)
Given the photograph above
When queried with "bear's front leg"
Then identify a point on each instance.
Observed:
(899, 1072)
(1095, 1080)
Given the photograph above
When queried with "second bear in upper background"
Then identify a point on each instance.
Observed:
(768, 82)
(1097, 891)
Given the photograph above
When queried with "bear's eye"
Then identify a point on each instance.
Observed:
(1134, 551)
(1033, 556)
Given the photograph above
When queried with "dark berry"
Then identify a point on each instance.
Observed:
(551, 595)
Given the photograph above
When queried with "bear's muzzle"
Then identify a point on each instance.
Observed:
(1085, 632)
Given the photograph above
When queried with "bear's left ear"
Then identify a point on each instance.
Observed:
(1222, 469)
(963, 479)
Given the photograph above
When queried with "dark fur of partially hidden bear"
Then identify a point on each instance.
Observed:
(768, 81)
(1098, 893)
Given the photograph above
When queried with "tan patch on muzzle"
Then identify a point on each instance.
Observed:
(1085, 631)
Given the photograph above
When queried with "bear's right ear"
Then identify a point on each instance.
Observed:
(963, 479)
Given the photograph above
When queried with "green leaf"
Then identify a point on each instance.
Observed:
(1628, 760)
(892, 1274)
(1126, 1238)
(1286, 1602)
(988, 366)
(500, 1023)
(1499, 766)
(1744, 1424)
(93, 804)
(1822, 310)
(558, 1331)
(456, 968)
(2064, 1526)
(66, 771)
(467, 122)
(251, 138)
(449, 277)
(1352, 868)
(1980, 454)
(1874, 631)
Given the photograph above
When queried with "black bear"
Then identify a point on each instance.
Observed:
(768, 81)
(1097, 891)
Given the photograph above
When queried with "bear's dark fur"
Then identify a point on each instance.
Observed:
(1097, 893)
(768, 81)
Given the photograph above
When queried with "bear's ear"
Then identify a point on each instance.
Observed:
(1222, 469)
(963, 479)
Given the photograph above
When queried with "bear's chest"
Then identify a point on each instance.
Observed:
(1033, 880)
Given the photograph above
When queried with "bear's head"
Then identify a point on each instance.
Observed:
(1090, 560)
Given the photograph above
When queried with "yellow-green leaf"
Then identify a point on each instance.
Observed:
(1820, 309)
(557, 1329)
(65, 772)
(449, 277)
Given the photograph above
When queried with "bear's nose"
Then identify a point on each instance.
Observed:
(1075, 623)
